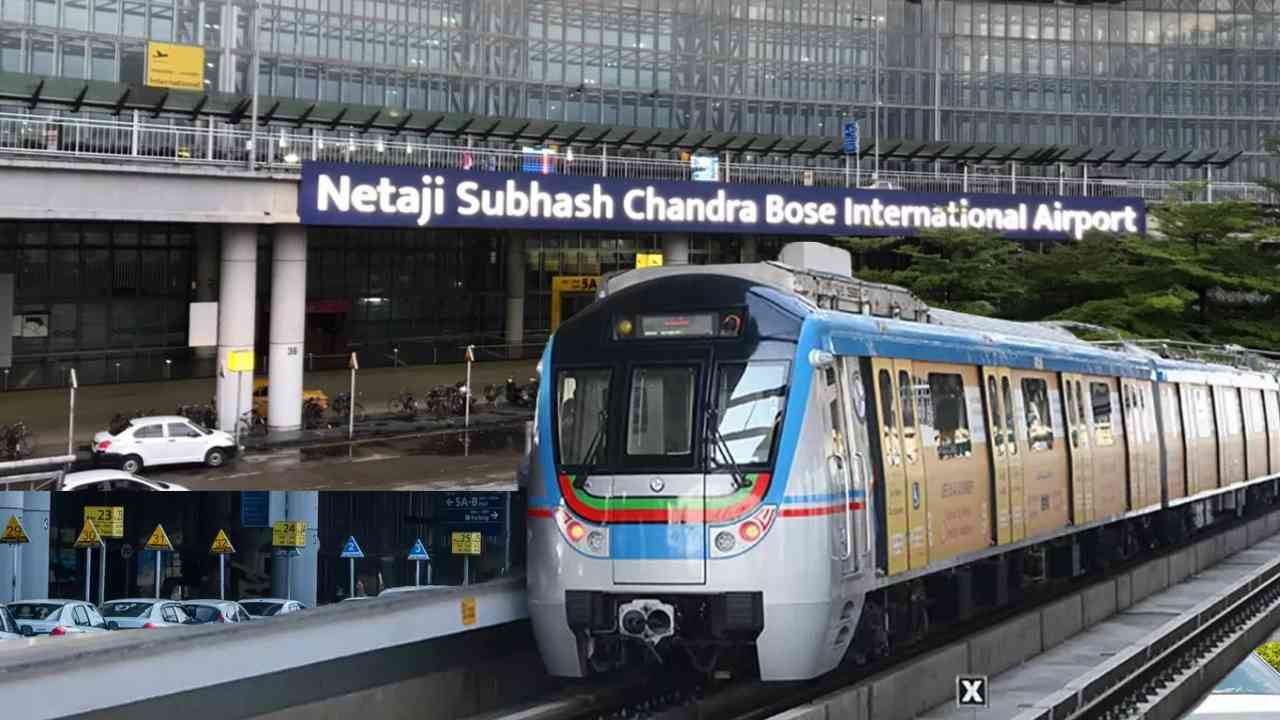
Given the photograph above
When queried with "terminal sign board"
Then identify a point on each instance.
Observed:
(398, 196)
(175, 66)
(474, 508)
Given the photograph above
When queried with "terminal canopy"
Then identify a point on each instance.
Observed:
(37, 90)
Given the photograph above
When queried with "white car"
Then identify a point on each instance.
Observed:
(9, 629)
(215, 611)
(1249, 692)
(144, 613)
(270, 607)
(57, 617)
(110, 480)
(163, 440)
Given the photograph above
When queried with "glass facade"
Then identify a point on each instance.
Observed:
(1175, 73)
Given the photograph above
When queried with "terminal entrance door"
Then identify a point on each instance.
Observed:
(570, 294)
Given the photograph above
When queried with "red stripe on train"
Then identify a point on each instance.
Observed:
(820, 510)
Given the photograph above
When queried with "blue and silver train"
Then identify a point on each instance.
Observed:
(779, 465)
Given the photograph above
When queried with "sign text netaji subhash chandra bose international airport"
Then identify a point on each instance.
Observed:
(333, 194)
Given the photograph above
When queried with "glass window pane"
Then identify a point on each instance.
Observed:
(950, 416)
(749, 403)
(660, 416)
(582, 401)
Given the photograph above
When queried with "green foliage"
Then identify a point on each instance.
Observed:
(1271, 653)
(1206, 272)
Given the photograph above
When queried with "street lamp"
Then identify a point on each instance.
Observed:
(876, 21)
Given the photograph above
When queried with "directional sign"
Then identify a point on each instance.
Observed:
(474, 508)
(108, 520)
(14, 534)
(222, 544)
(89, 536)
(352, 549)
(289, 533)
(971, 691)
(159, 540)
(418, 551)
(465, 543)
(851, 137)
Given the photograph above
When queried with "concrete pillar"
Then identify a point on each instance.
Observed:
(237, 307)
(299, 572)
(24, 572)
(206, 280)
(515, 294)
(749, 253)
(675, 249)
(288, 326)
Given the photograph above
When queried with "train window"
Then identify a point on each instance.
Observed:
(1100, 397)
(905, 390)
(749, 401)
(660, 421)
(997, 437)
(1083, 437)
(1006, 397)
(582, 399)
(888, 416)
(1035, 396)
(950, 416)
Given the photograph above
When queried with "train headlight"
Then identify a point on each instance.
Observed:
(744, 534)
(750, 531)
(625, 328)
(725, 541)
(592, 540)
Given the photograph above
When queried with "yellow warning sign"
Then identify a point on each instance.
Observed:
(159, 540)
(108, 519)
(89, 536)
(240, 361)
(175, 66)
(289, 533)
(466, 543)
(14, 534)
(469, 611)
(222, 544)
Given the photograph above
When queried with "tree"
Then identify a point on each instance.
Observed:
(1201, 223)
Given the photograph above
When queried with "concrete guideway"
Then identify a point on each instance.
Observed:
(1049, 656)
(357, 658)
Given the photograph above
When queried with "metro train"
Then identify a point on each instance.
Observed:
(777, 464)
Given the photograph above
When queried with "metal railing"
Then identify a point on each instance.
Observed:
(210, 144)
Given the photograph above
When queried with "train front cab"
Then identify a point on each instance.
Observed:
(691, 486)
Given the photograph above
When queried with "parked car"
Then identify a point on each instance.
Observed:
(1249, 692)
(270, 607)
(108, 480)
(58, 617)
(9, 629)
(261, 398)
(144, 613)
(163, 440)
(215, 611)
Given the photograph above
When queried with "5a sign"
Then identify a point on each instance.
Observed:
(971, 691)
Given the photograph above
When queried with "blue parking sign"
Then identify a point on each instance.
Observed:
(851, 137)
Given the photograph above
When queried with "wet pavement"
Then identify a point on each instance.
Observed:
(483, 458)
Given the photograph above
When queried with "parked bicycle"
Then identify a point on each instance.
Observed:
(341, 406)
(312, 413)
(203, 414)
(405, 403)
(16, 441)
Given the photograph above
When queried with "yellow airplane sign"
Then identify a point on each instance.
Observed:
(159, 540)
(222, 544)
(14, 534)
(89, 535)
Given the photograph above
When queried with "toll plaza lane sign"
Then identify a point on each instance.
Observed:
(399, 196)
(108, 519)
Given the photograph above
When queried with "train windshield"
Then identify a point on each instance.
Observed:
(749, 401)
(582, 401)
(660, 411)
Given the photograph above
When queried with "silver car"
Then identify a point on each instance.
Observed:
(8, 626)
(57, 617)
(270, 607)
(215, 611)
(144, 613)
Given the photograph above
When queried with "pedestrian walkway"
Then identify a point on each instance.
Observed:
(45, 411)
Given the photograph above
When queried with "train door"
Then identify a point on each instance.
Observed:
(909, 388)
(1078, 447)
(1133, 444)
(853, 393)
(839, 470)
(1191, 436)
(893, 462)
(1271, 404)
(999, 453)
(1011, 402)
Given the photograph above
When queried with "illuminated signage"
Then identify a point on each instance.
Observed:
(332, 194)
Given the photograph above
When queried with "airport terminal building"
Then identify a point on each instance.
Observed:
(134, 194)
